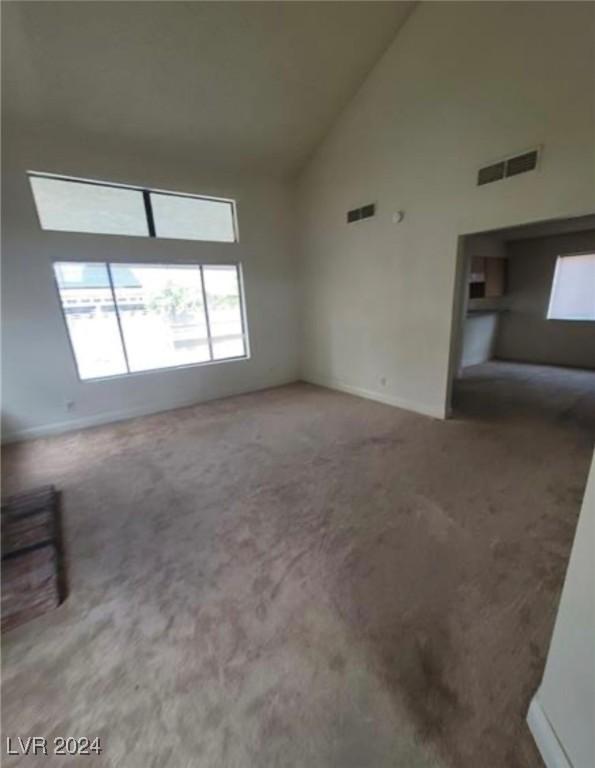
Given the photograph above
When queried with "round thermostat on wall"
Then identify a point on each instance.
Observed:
(398, 217)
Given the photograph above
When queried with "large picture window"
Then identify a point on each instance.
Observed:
(126, 318)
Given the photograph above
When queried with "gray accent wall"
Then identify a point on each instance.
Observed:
(525, 333)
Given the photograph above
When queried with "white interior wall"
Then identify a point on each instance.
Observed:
(479, 338)
(39, 375)
(463, 84)
(562, 713)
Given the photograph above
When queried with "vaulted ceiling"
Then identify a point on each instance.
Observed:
(253, 85)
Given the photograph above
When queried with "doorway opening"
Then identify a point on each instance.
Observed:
(524, 322)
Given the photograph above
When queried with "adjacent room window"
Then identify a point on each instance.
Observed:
(76, 205)
(573, 288)
(125, 318)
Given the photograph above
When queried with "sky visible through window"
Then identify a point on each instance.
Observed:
(68, 206)
(75, 205)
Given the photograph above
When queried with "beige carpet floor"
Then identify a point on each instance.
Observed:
(303, 578)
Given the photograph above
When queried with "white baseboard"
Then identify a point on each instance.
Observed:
(111, 417)
(96, 420)
(549, 746)
(85, 422)
(381, 397)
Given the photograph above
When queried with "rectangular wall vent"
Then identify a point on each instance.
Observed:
(491, 173)
(521, 163)
(356, 214)
(511, 166)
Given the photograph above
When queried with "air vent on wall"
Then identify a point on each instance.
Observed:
(491, 173)
(512, 166)
(361, 213)
(521, 163)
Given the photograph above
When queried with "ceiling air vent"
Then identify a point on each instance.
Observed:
(510, 166)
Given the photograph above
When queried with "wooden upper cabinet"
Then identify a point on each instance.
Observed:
(495, 272)
(487, 277)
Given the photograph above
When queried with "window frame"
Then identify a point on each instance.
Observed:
(554, 280)
(243, 316)
(146, 194)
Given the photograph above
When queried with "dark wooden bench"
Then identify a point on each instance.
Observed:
(33, 574)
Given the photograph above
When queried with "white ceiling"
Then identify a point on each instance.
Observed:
(254, 86)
